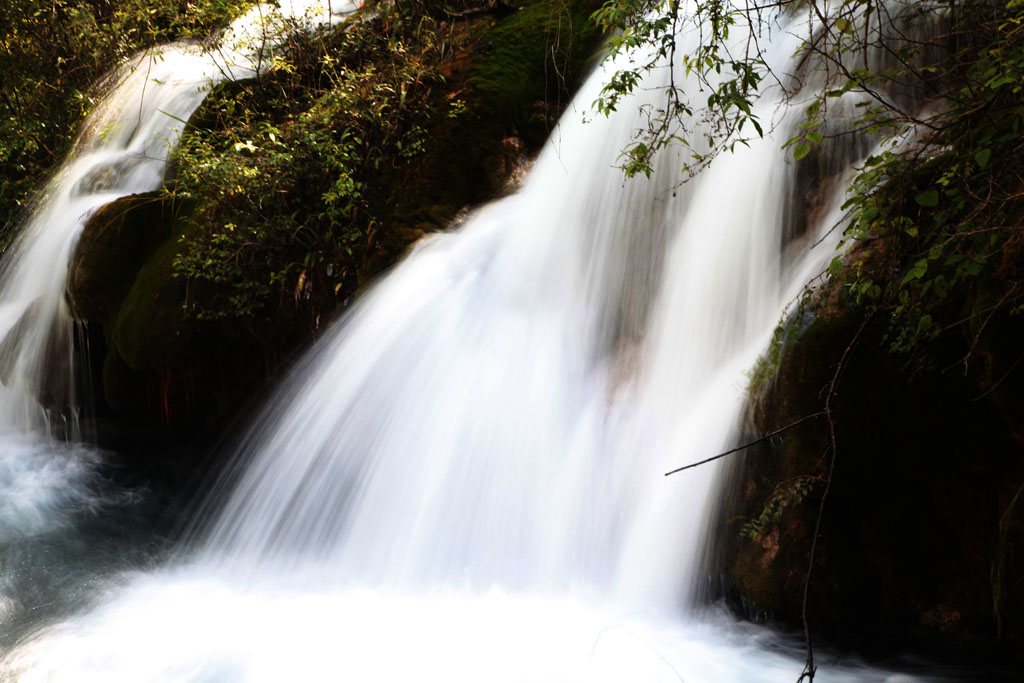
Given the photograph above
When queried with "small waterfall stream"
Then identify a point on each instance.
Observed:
(122, 149)
(48, 478)
(464, 480)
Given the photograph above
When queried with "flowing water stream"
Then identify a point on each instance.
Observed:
(464, 480)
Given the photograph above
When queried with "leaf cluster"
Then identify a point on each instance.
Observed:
(785, 496)
(935, 226)
(931, 233)
(648, 44)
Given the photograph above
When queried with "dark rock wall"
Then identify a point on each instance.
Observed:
(921, 540)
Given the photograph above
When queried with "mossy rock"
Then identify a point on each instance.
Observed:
(168, 362)
(164, 368)
(516, 76)
(535, 55)
(114, 242)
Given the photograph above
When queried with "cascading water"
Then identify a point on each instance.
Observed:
(463, 481)
(46, 480)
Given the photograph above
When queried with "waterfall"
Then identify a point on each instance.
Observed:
(501, 409)
(463, 480)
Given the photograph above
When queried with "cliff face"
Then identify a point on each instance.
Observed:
(291, 192)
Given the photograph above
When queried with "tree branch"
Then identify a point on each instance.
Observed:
(749, 444)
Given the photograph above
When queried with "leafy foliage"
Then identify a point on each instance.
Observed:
(786, 495)
(647, 36)
(715, 47)
(51, 54)
(279, 169)
(932, 230)
(935, 227)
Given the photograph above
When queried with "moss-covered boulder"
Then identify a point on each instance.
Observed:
(292, 192)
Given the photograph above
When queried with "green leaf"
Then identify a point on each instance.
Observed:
(916, 272)
(982, 157)
(928, 198)
(801, 150)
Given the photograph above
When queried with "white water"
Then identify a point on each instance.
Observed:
(463, 481)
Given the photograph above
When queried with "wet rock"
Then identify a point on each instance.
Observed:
(502, 164)
(441, 215)
(115, 241)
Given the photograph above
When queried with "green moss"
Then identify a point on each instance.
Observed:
(150, 330)
(534, 55)
(113, 245)
(787, 333)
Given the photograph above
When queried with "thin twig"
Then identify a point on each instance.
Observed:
(749, 444)
(809, 669)
(1000, 380)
